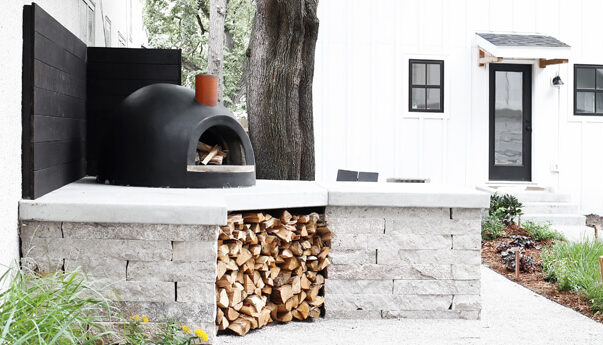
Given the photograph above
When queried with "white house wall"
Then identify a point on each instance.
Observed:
(67, 12)
(10, 129)
(361, 91)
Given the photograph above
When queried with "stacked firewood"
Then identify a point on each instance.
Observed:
(270, 269)
(207, 154)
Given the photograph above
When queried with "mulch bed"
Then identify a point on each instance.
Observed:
(535, 280)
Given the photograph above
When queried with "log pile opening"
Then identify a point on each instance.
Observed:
(270, 269)
(207, 154)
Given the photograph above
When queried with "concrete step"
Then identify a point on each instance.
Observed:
(576, 233)
(550, 208)
(527, 197)
(568, 219)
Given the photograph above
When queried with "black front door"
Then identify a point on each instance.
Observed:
(510, 122)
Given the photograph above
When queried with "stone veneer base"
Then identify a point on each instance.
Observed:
(392, 258)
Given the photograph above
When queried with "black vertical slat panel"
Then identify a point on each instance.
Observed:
(113, 74)
(54, 104)
(27, 105)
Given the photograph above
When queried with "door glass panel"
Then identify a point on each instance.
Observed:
(433, 74)
(585, 102)
(418, 98)
(585, 78)
(599, 102)
(600, 78)
(418, 74)
(433, 98)
(508, 118)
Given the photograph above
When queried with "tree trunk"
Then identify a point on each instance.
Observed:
(280, 70)
(217, 14)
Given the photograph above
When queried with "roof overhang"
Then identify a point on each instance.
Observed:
(490, 52)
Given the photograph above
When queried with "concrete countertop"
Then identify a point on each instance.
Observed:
(87, 201)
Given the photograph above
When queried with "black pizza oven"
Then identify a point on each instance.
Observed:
(158, 134)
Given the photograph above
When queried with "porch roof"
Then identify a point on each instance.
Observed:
(522, 46)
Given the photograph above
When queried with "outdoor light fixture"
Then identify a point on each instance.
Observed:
(557, 81)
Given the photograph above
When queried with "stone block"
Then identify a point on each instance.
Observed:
(176, 311)
(196, 292)
(134, 291)
(334, 286)
(352, 225)
(430, 314)
(387, 302)
(358, 257)
(381, 272)
(386, 212)
(444, 226)
(466, 272)
(195, 251)
(153, 232)
(42, 264)
(436, 287)
(392, 256)
(70, 248)
(33, 229)
(353, 314)
(467, 241)
(467, 213)
(391, 241)
(467, 302)
(98, 267)
(172, 271)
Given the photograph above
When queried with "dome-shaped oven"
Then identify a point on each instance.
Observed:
(161, 136)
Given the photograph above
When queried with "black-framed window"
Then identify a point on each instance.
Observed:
(588, 90)
(426, 86)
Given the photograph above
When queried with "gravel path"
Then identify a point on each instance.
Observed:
(511, 315)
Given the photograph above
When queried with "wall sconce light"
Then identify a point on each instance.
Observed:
(557, 81)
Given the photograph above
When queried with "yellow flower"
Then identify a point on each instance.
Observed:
(186, 329)
(136, 318)
(201, 334)
(145, 319)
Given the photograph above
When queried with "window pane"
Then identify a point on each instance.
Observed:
(433, 74)
(418, 74)
(600, 79)
(418, 98)
(585, 102)
(433, 99)
(585, 78)
(599, 102)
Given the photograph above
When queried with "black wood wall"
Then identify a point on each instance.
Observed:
(68, 89)
(54, 104)
(113, 74)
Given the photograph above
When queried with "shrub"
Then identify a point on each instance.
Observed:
(541, 232)
(505, 207)
(58, 308)
(61, 308)
(492, 228)
(575, 266)
(170, 334)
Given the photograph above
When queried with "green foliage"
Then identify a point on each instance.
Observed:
(505, 207)
(492, 228)
(575, 266)
(170, 334)
(56, 309)
(541, 232)
(62, 308)
(184, 24)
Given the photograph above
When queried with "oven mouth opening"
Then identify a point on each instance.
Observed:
(220, 149)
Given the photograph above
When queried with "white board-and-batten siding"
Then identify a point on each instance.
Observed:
(362, 121)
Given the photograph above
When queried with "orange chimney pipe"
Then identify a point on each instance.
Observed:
(206, 89)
